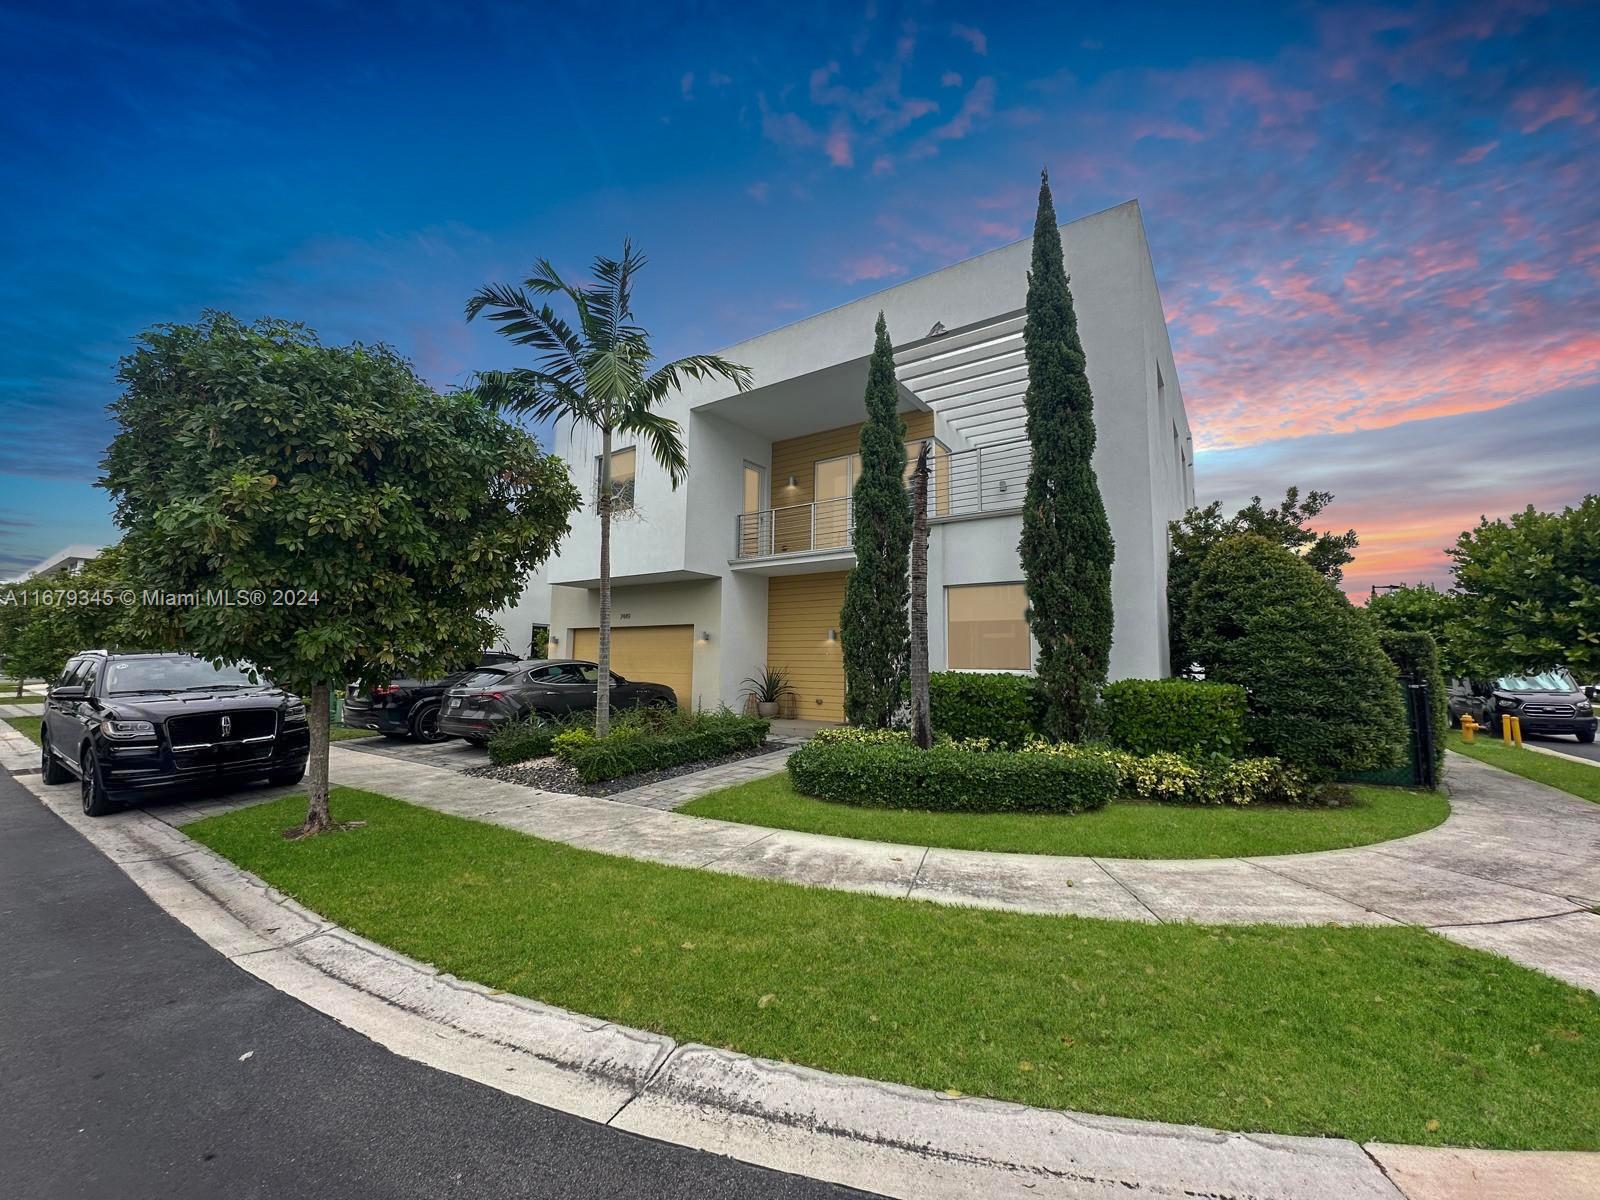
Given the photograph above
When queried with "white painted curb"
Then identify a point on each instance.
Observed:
(884, 1138)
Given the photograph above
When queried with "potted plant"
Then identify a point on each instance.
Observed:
(767, 687)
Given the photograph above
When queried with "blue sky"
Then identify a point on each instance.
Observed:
(1377, 228)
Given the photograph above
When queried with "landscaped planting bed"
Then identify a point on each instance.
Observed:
(1119, 830)
(553, 775)
(1388, 1034)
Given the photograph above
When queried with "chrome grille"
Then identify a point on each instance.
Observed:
(200, 729)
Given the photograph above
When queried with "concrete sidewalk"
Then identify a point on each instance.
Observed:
(1514, 870)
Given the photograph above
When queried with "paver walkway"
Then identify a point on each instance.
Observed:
(1514, 870)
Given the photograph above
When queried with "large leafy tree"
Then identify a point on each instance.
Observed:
(252, 458)
(1530, 592)
(872, 622)
(1066, 546)
(597, 371)
(1422, 608)
(1286, 525)
(1322, 695)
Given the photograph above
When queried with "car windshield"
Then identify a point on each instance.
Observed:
(179, 673)
(1544, 681)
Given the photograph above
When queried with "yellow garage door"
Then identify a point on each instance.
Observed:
(801, 612)
(649, 653)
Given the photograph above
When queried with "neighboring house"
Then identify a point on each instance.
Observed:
(523, 622)
(745, 564)
(68, 560)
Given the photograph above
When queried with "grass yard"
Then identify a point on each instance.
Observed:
(27, 698)
(1579, 778)
(1116, 831)
(1372, 1033)
(28, 727)
(343, 733)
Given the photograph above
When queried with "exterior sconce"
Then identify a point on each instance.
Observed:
(1002, 487)
(833, 635)
(705, 635)
(791, 482)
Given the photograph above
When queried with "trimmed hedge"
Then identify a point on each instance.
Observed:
(1178, 716)
(889, 772)
(1323, 697)
(1002, 708)
(521, 740)
(1416, 657)
(653, 743)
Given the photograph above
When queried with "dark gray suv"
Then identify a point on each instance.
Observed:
(1546, 703)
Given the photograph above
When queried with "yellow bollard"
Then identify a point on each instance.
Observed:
(1516, 731)
(1505, 728)
(1468, 727)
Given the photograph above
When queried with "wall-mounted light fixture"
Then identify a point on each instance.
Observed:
(791, 482)
(833, 635)
(705, 635)
(554, 640)
(1002, 487)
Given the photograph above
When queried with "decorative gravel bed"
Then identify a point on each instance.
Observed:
(553, 775)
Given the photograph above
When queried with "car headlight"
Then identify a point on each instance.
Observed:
(1505, 703)
(295, 714)
(127, 729)
(1583, 706)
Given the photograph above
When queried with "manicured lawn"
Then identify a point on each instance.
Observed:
(1372, 1033)
(1116, 831)
(25, 698)
(28, 727)
(1576, 777)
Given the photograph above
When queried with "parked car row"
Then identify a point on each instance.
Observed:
(1548, 702)
(473, 702)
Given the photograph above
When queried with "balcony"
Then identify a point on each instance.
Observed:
(965, 483)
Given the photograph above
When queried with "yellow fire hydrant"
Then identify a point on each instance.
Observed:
(1468, 727)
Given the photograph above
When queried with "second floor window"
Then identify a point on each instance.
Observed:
(622, 472)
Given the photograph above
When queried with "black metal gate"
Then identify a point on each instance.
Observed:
(1418, 768)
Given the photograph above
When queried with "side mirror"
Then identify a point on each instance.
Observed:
(68, 693)
(1592, 691)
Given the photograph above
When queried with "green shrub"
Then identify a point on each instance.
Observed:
(1322, 696)
(1002, 708)
(889, 772)
(1181, 716)
(655, 740)
(1416, 657)
(521, 740)
(1167, 778)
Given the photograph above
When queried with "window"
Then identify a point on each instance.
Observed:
(986, 628)
(622, 473)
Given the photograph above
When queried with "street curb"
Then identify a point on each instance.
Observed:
(885, 1138)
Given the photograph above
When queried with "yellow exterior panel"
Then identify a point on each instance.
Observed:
(800, 611)
(648, 653)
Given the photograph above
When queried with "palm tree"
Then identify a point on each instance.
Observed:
(598, 374)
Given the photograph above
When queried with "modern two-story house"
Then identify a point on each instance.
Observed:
(745, 564)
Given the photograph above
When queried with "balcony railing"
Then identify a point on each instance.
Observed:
(965, 483)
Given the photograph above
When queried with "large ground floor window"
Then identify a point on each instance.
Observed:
(987, 628)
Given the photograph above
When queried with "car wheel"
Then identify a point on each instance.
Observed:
(287, 777)
(425, 725)
(1586, 737)
(50, 768)
(95, 803)
(394, 736)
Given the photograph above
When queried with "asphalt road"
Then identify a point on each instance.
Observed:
(122, 1072)
(1567, 745)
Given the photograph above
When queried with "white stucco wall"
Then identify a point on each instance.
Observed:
(516, 620)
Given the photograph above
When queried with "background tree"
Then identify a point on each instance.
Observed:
(1322, 695)
(1285, 525)
(1530, 593)
(254, 457)
(597, 375)
(921, 706)
(872, 621)
(1422, 608)
(1066, 543)
(88, 613)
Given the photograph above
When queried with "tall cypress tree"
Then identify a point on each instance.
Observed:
(1066, 540)
(873, 623)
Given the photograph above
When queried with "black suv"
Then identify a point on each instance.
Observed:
(129, 725)
(405, 707)
(1548, 702)
(540, 688)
